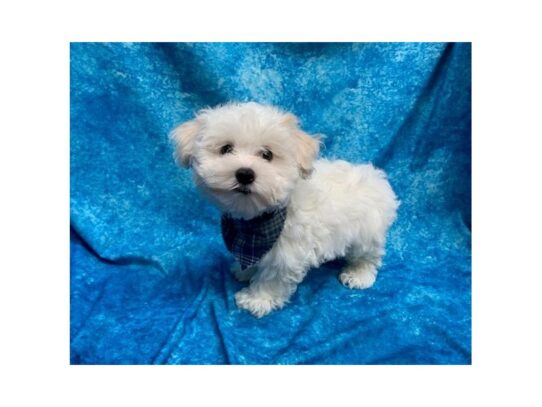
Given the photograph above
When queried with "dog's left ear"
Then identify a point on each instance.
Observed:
(307, 146)
(184, 137)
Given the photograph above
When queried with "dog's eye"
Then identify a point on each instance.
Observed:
(267, 155)
(225, 149)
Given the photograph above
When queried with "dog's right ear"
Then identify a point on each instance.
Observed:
(184, 137)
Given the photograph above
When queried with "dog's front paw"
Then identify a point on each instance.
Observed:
(258, 303)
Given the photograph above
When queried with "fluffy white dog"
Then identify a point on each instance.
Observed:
(284, 212)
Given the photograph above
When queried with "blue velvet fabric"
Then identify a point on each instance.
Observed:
(150, 279)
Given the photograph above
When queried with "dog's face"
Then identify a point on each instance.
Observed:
(246, 157)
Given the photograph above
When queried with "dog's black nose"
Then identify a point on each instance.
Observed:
(245, 176)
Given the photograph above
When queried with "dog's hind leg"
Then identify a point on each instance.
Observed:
(361, 268)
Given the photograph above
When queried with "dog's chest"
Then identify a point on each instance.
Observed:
(250, 240)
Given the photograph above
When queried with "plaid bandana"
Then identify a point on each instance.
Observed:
(249, 240)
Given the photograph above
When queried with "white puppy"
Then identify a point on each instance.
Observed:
(284, 212)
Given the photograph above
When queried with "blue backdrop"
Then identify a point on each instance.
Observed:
(149, 271)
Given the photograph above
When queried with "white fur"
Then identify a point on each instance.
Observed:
(341, 210)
